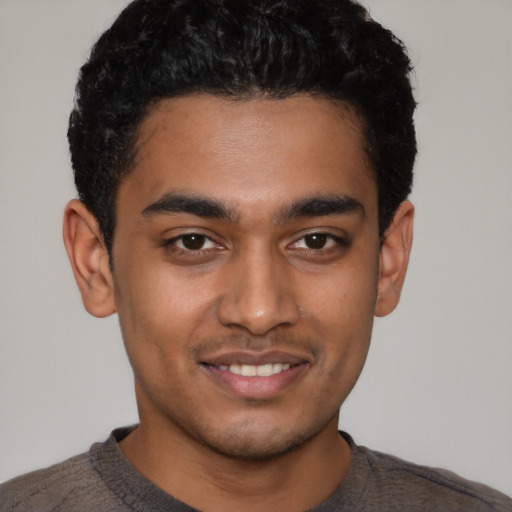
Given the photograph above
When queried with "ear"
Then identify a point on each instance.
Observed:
(89, 259)
(394, 258)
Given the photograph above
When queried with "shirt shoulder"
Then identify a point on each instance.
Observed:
(71, 485)
(402, 485)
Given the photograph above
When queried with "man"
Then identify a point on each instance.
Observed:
(243, 171)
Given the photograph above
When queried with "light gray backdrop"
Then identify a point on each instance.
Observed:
(437, 385)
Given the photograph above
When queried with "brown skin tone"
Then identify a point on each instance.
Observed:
(259, 278)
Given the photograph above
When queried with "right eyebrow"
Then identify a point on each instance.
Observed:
(198, 205)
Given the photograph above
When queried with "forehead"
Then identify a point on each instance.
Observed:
(250, 152)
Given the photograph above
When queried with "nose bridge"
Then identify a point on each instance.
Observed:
(259, 294)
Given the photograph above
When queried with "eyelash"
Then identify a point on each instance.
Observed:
(331, 240)
(172, 243)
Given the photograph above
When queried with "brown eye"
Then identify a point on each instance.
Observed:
(316, 240)
(319, 241)
(193, 245)
(193, 242)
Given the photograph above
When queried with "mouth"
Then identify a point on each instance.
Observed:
(256, 376)
(251, 370)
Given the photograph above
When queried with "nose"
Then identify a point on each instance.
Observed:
(259, 295)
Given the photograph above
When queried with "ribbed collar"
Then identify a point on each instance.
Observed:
(140, 495)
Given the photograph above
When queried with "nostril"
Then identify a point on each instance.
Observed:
(259, 295)
(258, 320)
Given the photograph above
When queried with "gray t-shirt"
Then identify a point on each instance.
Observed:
(103, 480)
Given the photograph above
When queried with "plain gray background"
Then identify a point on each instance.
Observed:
(437, 385)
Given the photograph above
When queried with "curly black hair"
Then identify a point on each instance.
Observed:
(241, 49)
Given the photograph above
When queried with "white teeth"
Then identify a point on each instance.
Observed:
(265, 370)
(234, 368)
(249, 370)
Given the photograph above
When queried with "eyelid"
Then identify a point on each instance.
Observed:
(339, 238)
(209, 244)
(331, 241)
(172, 242)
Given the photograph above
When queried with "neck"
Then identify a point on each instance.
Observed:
(208, 481)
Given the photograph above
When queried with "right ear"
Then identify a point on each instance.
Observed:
(89, 259)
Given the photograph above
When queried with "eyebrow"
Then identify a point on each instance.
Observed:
(200, 206)
(320, 206)
(205, 207)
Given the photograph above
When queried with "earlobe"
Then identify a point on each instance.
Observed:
(89, 259)
(394, 259)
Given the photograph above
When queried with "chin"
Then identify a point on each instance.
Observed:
(247, 442)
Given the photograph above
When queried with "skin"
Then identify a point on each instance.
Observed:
(269, 277)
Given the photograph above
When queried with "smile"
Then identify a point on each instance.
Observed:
(256, 376)
(249, 370)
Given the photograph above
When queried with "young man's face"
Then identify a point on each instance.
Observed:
(246, 269)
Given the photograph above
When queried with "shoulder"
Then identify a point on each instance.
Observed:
(401, 484)
(68, 486)
(36, 489)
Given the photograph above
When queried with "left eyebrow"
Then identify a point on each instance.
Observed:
(320, 206)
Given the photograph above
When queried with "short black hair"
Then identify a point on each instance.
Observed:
(160, 49)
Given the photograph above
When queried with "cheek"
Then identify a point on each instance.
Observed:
(341, 309)
(159, 314)
(343, 300)
(156, 321)
(160, 297)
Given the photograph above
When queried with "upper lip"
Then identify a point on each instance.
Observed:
(255, 358)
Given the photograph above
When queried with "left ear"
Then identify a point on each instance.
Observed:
(394, 258)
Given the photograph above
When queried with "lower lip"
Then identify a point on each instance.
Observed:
(257, 388)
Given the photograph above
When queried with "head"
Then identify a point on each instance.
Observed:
(243, 168)
(239, 49)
